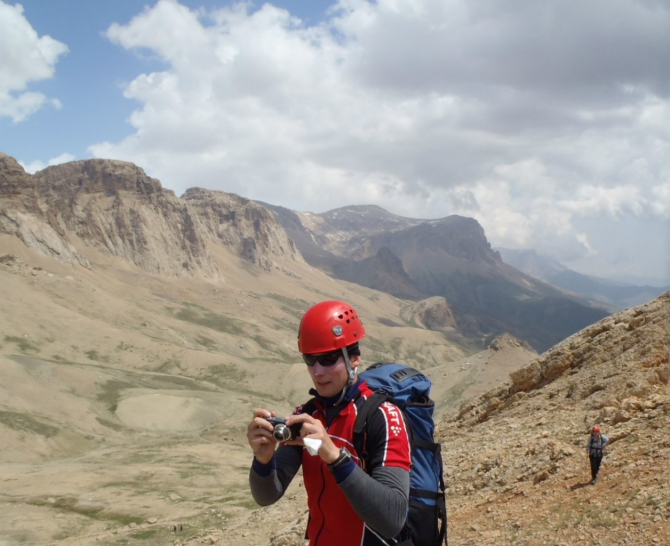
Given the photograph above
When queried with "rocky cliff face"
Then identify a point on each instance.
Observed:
(242, 223)
(382, 271)
(456, 236)
(23, 216)
(621, 357)
(114, 207)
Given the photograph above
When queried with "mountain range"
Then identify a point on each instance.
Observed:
(450, 258)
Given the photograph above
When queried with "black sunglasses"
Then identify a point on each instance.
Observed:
(325, 359)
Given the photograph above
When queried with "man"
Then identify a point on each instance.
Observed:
(347, 506)
(595, 446)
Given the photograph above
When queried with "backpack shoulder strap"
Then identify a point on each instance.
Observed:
(365, 408)
(309, 407)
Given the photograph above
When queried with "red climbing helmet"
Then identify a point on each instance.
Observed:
(596, 428)
(328, 326)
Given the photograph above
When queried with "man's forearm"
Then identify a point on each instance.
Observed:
(269, 482)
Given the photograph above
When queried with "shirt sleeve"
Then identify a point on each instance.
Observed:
(268, 483)
(379, 499)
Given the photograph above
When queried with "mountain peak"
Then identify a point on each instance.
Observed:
(96, 176)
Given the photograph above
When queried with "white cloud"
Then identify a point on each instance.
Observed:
(35, 166)
(527, 116)
(24, 58)
(592, 200)
(661, 203)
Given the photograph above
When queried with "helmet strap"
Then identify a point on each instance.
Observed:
(352, 375)
(351, 371)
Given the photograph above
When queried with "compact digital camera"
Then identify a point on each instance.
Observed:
(282, 432)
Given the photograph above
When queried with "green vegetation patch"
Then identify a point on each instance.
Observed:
(454, 395)
(23, 344)
(283, 356)
(388, 322)
(96, 357)
(295, 307)
(26, 423)
(205, 342)
(204, 317)
(92, 511)
(110, 424)
(144, 534)
(376, 350)
(169, 364)
(111, 392)
(224, 374)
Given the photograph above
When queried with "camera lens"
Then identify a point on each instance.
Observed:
(281, 433)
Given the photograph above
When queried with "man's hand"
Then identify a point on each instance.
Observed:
(259, 436)
(314, 429)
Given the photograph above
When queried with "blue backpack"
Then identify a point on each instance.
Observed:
(409, 389)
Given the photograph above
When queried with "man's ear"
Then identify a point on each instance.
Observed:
(355, 361)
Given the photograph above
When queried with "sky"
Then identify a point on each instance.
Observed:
(548, 122)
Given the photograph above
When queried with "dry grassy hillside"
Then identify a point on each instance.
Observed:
(125, 395)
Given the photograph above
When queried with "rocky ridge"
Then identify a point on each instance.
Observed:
(632, 342)
(515, 457)
(23, 216)
(115, 208)
(241, 223)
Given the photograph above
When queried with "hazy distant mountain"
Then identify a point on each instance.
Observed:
(617, 294)
(448, 257)
(532, 263)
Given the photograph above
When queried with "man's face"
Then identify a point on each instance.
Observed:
(330, 380)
